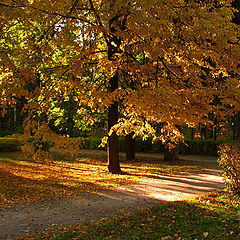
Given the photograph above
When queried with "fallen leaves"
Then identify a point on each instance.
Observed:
(157, 222)
(23, 180)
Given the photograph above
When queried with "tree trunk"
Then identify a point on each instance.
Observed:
(215, 128)
(15, 117)
(114, 43)
(171, 154)
(130, 146)
(112, 148)
(192, 133)
(237, 126)
(234, 127)
(203, 133)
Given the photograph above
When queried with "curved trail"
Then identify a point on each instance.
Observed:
(33, 218)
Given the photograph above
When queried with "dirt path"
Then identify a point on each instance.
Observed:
(33, 218)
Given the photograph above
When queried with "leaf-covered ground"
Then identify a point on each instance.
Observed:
(23, 180)
(213, 216)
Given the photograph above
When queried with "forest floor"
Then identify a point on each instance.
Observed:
(150, 188)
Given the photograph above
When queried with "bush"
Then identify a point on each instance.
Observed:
(19, 129)
(199, 147)
(202, 147)
(190, 147)
(229, 160)
(92, 143)
(4, 132)
(9, 145)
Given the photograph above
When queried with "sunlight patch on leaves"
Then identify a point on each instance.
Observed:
(22, 179)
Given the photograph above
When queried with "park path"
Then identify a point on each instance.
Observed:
(33, 218)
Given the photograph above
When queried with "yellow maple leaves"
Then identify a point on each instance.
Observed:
(173, 58)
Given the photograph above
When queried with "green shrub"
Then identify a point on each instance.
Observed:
(5, 132)
(229, 160)
(190, 147)
(199, 147)
(202, 147)
(9, 145)
(19, 129)
(92, 143)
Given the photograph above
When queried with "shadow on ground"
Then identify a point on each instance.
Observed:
(33, 218)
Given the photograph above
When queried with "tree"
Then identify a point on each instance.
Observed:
(130, 148)
(58, 40)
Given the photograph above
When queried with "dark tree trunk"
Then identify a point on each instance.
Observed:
(130, 146)
(215, 133)
(215, 128)
(171, 154)
(15, 117)
(237, 126)
(203, 133)
(112, 148)
(234, 127)
(211, 132)
(113, 43)
(192, 133)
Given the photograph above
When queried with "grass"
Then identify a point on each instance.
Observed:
(213, 216)
(23, 180)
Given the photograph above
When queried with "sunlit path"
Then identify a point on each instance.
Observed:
(33, 218)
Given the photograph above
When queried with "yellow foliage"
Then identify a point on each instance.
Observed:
(172, 58)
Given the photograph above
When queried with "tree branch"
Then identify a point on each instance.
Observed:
(98, 20)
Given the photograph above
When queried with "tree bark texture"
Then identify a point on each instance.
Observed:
(171, 154)
(130, 146)
(237, 126)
